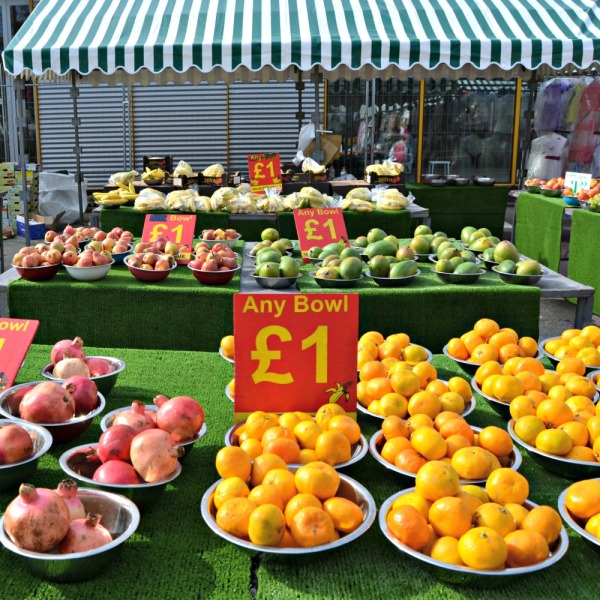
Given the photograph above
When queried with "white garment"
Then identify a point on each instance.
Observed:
(545, 157)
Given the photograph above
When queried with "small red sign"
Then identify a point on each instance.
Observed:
(265, 171)
(294, 352)
(16, 336)
(175, 228)
(319, 227)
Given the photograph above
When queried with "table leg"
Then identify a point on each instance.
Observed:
(584, 311)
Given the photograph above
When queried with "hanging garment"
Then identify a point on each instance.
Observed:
(547, 107)
(546, 159)
(586, 133)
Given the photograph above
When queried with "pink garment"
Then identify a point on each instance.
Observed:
(584, 138)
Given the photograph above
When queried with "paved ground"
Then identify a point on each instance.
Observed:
(555, 315)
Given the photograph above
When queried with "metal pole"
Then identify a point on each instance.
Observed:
(318, 155)
(22, 125)
(366, 131)
(373, 112)
(529, 131)
(77, 149)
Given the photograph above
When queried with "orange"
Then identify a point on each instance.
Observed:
(579, 403)
(347, 426)
(414, 354)
(415, 500)
(473, 462)
(393, 404)
(288, 541)
(266, 525)
(528, 427)
(231, 387)
(509, 351)
(285, 447)
(361, 393)
(426, 373)
(317, 478)
(289, 420)
(276, 432)
(263, 464)
(521, 406)
(372, 369)
(518, 511)
(435, 480)
(362, 357)
(452, 402)
(593, 427)
(311, 527)
(525, 548)
(373, 336)
(445, 549)
(583, 498)
(303, 416)
(424, 402)
(554, 441)
(510, 331)
(579, 385)
(566, 351)
(437, 386)
(511, 365)
(429, 443)
(232, 487)
(369, 347)
(388, 362)
(234, 516)
(476, 491)
(529, 381)
(251, 447)
(582, 417)
(258, 422)
(421, 420)
(484, 353)
(536, 397)
(549, 379)
(554, 412)
(592, 332)
(409, 460)
(530, 365)
(486, 328)
(593, 526)
(376, 388)
(472, 502)
(495, 516)
(394, 426)
(407, 524)
(399, 365)
(389, 348)
(554, 344)
(529, 346)
(232, 461)
(559, 392)
(284, 481)
(401, 338)
(443, 416)
(296, 503)
(584, 453)
(405, 382)
(505, 485)
(307, 432)
(457, 349)
(457, 426)
(507, 387)
(345, 514)
(454, 443)
(471, 340)
(590, 356)
(579, 342)
(496, 440)
(571, 365)
(333, 448)
(567, 334)
(326, 412)
(577, 432)
(460, 386)
(266, 493)
(502, 338)
(491, 367)
(307, 455)
(226, 346)
(544, 520)
(450, 516)
(482, 548)
(393, 447)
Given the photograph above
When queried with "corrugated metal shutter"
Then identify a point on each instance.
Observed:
(103, 133)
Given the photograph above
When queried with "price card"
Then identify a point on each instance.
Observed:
(319, 227)
(16, 336)
(578, 181)
(265, 171)
(175, 228)
(294, 352)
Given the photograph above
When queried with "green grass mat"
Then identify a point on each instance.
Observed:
(583, 251)
(432, 311)
(453, 207)
(539, 228)
(174, 555)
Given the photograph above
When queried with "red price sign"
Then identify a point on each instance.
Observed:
(294, 352)
(16, 336)
(265, 171)
(175, 228)
(319, 227)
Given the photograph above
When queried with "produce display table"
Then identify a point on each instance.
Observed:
(173, 554)
(453, 207)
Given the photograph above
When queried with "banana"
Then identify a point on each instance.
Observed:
(360, 193)
(153, 174)
(215, 170)
(120, 196)
(357, 205)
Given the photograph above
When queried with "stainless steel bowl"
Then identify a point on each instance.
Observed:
(554, 360)
(335, 283)
(437, 182)
(276, 283)
(565, 467)
(349, 488)
(502, 408)
(145, 495)
(104, 383)
(61, 432)
(228, 393)
(119, 515)
(13, 475)
(576, 524)
(594, 376)
(484, 181)
(455, 574)
(462, 181)
(225, 357)
(517, 279)
(460, 278)
(393, 281)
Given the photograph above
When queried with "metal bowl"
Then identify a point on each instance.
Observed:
(231, 243)
(349, 488)
(119, 257)
(108, 418)
(517, 279)
(424, 257)
(89, 273)
(61, 432)
(214, 277)
(276, 283)
(550, 193)
(484, 181)
(468, 365)
(564, 467)
(595, 377)
(14, 474)
(225, 357)
(576, 524)
(145, 495)
(393, 281)
(434, 258)
(228, 393)
(152, 182)
(462, 181)
(119, 515)
(455, 574)
(104, 383)
(38, 273)
(427, 177)
(460, 278)
(533, 189)
(502, 408)
(437, 182)
(335, 283)
(148, 276)
(554, 360)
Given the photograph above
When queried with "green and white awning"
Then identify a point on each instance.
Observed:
(224, 40)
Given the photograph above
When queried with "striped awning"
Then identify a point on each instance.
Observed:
(224, 40)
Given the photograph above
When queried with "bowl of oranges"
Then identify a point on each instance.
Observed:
(575, 343)
(594, 377)
(579, 506)
(484, 536)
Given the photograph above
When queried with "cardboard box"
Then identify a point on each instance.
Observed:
(37, 226)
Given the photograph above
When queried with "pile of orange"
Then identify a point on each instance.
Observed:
(450, 439)
(264, 502)
(577, 343)
(298, 437)
(583, 502)
(395, 347)
(401, 389)
(227, 347)
(488, 341)
(471, 526)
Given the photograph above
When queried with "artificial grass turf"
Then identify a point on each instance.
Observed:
(538, 229)
(583, 251)
(174, 554)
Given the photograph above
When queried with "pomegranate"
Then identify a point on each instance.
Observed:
(98, 366)
(15, 444)
(85, 393)
(67, 490)
(137, 418)
(67, 367)
(154, 454)
(85, 534)
(115, 443)
(47, 402)
(68, 348)
(13, 401)
(116, 471)
(37, 519)
(180, 416)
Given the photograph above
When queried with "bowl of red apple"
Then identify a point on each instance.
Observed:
(149, 266)
(228, 237)
(214, 266)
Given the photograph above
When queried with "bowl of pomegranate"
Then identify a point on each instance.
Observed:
(150, 267)
(67, 539)
(21, 446)
(137, 465)
(214, 271)
(66, 410)
(90, 265)
(182, 417)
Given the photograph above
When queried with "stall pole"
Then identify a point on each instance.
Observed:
(23, 158)
(318, 154)
(516, 128)
(77, 149)
(420, 129)
(367, 134)
(529, 130)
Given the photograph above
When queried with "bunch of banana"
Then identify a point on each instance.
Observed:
(359, 193)
(392, 199)
(183, 200)
(203, 204)
(153, 174)
(314, 197)
(150, 199)
(244, 204)
(244, 188)
(215, 170)
(358, 205)
(222, 197)
(270, 204)
(124, 177)
(182, 169)
(294, 200)
(312, 166)
(388, 167)
(118, 197)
